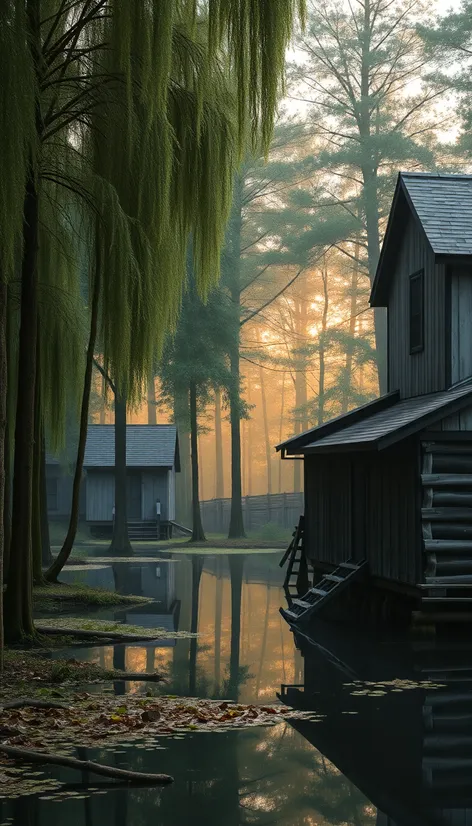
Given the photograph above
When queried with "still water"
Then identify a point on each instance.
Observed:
(395, 754)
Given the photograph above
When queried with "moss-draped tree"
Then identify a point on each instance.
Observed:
(120, 125)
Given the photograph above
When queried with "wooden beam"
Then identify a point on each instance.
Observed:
(447, 514)
(445, 480)
(448, 545)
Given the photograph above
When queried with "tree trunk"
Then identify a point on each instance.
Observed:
(301, 397)
(18, 613)
(347, 383)
(7, 442)
(3, 427)
(198, 534)
(183, 484)
(120, 543)
(36, 533)
(322, 345)
(236, 565)
(268, 450)
(68, 543)
(220, 482)
(218, 617)
(151, 401)
(197, 566)
(45, 541)
(236, 523)
(373, 252)
(370, 194)
(281, 428)
(249, 443)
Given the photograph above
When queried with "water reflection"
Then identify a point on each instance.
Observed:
(261, 776)
(243, 648)
(407, 746)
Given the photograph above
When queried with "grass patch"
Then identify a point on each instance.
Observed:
(57, 597)
(102, 626)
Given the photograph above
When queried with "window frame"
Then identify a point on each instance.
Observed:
(416, 276)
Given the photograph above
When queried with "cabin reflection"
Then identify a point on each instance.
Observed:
(155, 579)
(408, 749)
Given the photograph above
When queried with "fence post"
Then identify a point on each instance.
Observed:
(247, 511)
(269, 509)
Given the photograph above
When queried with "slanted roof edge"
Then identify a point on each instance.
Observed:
(401, 433)
(345, 420)
(378, 294)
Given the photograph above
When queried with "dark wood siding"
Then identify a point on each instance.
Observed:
(422, 372)
(460, 327)
(366, 505)
(328, 508)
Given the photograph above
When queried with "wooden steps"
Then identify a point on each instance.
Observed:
(296, 575)
(328, 588)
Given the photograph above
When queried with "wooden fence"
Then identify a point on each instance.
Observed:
(281, 509)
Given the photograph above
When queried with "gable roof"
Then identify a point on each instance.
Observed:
(153, 445)
(442, 206)
(376, 430)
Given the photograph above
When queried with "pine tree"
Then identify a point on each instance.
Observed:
(195, 362)
(358, 62)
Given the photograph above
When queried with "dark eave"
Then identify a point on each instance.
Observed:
(295, 445)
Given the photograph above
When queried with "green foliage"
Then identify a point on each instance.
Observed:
(17, 129)
(197, 350)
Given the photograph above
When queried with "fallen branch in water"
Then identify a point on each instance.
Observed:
(136, 778)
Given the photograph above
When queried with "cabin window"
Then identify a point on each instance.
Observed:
(51, 489)
(417, 312)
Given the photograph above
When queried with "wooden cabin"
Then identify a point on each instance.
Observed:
(391, 482)
(152, 460)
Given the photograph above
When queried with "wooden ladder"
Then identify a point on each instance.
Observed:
(328, 587)
(296, 575)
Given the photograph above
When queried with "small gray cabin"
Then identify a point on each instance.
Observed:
(388, 486)
(152, 460)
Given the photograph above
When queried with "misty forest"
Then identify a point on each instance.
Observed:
(235, 364)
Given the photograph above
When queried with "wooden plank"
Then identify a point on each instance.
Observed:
(447, 514)
(446, 545)
(451, 498)
(446, 480)
(447, 448)
(445, 582)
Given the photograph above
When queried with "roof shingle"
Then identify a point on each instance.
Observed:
(396, 422)
(443, 204)
(146, 445)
